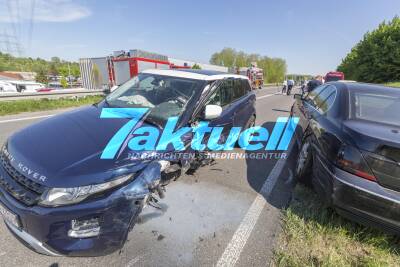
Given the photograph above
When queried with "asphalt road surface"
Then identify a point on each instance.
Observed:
(225, 214)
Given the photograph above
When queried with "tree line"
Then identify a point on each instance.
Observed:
(376, 58)
(274, 68)
(43, 68)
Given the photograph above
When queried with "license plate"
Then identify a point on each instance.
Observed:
(9, 216)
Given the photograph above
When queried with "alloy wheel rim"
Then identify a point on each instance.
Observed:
(302, 158)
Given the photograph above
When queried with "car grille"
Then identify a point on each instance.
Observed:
(21, 188)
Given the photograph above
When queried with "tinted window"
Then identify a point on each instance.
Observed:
(246, 86)
(238, 90)
(324, 100)
(224, 94)
(377, 107)
(311, 95)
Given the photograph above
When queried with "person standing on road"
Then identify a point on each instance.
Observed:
(290, 84)
(285, 83)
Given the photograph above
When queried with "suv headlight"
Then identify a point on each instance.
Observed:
(66, 196)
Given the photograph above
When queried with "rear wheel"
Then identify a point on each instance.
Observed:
(304, 163)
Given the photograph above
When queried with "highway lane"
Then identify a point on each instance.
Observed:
(217, 216)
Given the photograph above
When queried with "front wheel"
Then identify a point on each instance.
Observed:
(305, 163)
(251, 122)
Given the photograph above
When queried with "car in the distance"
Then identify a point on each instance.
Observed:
(333, 76)
(350, 149)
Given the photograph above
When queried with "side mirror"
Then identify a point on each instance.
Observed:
(298, 96)
(212, 112)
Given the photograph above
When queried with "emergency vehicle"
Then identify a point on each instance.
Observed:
(111, 71)
(255, 75)
(334, 76)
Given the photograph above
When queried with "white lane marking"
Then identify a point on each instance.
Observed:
(265, 96)
(27, 118)
(242, 234)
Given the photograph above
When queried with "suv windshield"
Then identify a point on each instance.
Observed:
(164, 96)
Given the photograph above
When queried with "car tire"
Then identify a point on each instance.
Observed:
(304, 164)
(251, 122)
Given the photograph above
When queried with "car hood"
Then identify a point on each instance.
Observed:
(65, 150)
(373, 137)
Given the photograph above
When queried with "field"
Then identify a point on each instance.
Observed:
(314, 235)
(18, 106)
(393, 84)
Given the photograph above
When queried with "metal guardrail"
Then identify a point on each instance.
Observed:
(12, 96)
(6, 96)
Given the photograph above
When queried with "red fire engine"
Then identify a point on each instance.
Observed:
(107, 72)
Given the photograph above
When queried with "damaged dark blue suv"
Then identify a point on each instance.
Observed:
(60, 195)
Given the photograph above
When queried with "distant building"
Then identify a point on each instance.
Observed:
(5, 76)
(17, 75)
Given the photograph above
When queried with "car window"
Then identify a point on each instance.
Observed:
(223, 95)
(377, 107)
(311, 95)
(146, 83)
(238, 89)
(246, 86)
(325, 98)
(163, 96)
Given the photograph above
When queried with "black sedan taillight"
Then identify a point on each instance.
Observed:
(351, 160)
(387, 171)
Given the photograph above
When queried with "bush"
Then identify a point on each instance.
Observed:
(30, 105)
(376, 58)
(274, 68)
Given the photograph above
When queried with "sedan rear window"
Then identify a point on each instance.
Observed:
(377, 108)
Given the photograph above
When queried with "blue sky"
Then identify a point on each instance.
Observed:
(312, 36)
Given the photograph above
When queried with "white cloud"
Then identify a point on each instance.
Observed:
(44, 10)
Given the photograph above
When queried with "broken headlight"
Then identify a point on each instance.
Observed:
(66, 196)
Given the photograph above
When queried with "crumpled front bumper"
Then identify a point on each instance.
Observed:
(30, 241)
(45, 229)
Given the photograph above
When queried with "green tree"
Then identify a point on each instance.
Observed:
(196, 67)
(75, 70)
(63, 70)
(64, 82)
(224, 58)
(41, 76)
(376, 58)
(274, 68)
(55, 60)
(53, 69)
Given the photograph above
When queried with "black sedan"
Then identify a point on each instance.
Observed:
(349, 140)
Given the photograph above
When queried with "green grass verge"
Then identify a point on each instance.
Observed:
(18, 106)
(314, 235)
(393, 84)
